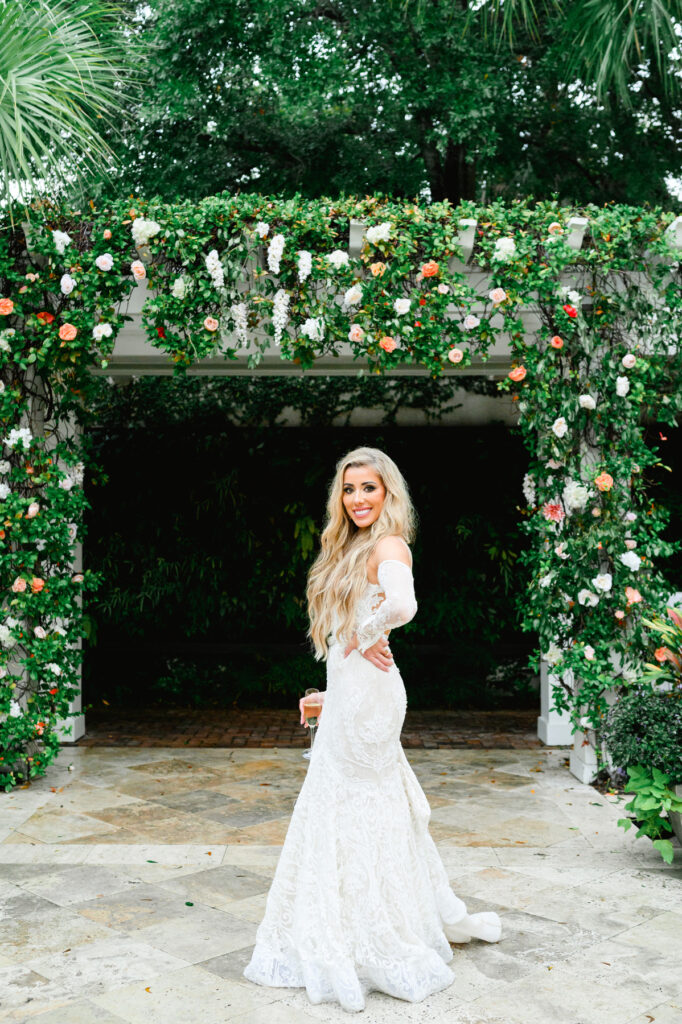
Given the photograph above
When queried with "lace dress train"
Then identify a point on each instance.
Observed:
(360, 900)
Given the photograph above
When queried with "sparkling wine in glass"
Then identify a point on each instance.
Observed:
(311, 709)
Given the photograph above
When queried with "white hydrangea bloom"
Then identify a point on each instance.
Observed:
(215, 268)
(553, 654)
(61, 240)
(15, 709)
(338, 258)
(280, 313)
(143, 229)
(275, 250)
(262, 229)
(529, 489)
(505, 249)
(179, 289)
(18, 435)
(379, 233)
(313, 328)
(576, 496)
(305, 264)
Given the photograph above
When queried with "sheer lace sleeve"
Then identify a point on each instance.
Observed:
(398, 606)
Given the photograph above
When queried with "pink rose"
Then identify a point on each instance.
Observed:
(555, 228)
(557, 342)
(37, 584)
(619, 614)
(33, 510)
(6, 307)
(106, 234)
(67, 332)
(518, 373)
(211, 324)
(138, 270)
(387, 343)
(630, 544)
(430, 269)
(77, 577)
(356, 333)
(19, 585)
(633, 595)
(455, 355)
(629, 361)
(498, 295)
(553, 512)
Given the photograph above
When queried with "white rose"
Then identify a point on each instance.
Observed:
(179, 288)
(105, 261)
(356, 333)
(603, 581)
(443, 289)
(262, 229)
(560, 550)
(560, 426)
(39, 632)
(4, 491)
(553, 655)
(586, 597)
(574, 297)
(102, 331)
(379, 233)
(338, 258)
(505, 249)
(576, 496)
(61, 240)
(401, 306)
(142, 230)
(67, 284)
(353, 296)
(588, 651)
(313, 328)
(631, 560)
(546, 580)
(15, 709)
(138, 270)
(630, 517)
(587, 402)
(470, 322)
(5, 466)
(629, 360)
(622, 386)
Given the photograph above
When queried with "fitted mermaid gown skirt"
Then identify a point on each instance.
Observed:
(360, 900)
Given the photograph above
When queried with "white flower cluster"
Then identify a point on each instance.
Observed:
(262, 229)
(353, 296)
(5, 491)
(179, 288)
(17, 435)
(6, 638)
(280, 313)
(575, 496)
(215, 268)
(587, 402)
(529, 489)
(586, 597)
(622, 386)
(100, 331)
(338, 258)
(15, 709)
(142, 230)
(61, 240)
(313, 328)
(4, 335)
(553, 654)
(305, 264)
(379, 232)
(631, 560)
(238, 311)
(570, 295)
(505, 249)
(275, 250)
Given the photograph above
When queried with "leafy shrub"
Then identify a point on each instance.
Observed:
(645, 728)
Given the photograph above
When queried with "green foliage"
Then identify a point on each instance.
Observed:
(644, 727)
(652, 797)
(406, 98)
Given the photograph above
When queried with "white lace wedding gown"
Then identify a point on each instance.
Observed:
(360, 900)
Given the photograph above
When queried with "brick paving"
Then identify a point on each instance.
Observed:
(159, 727)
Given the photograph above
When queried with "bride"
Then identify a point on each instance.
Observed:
(360, 900)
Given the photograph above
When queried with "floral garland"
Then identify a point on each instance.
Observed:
(593, 360)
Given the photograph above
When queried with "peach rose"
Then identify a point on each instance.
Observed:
(211, 324)
(138, 269)
(356, 333)
(633, 596)
(498, 295)
(6, 307)
(557, 342)
(67, 332)
(430, 269)
(19, 585)
(33, 509)
(77, 577)
(555, 228)
(604, 481)
(387, 343)
(106, 234)
(37, 584)
(619, 614)
(662, 654)
(518, 373)
(455, 355)
(377, 269)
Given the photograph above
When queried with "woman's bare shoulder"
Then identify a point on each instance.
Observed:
(393, 547)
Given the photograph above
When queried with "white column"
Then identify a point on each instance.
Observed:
(554, 727)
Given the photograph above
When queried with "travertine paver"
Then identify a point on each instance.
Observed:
(132, 885)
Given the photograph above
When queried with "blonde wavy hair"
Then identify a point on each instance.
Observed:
(338, 575)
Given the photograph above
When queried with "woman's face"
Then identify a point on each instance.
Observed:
(363, 494)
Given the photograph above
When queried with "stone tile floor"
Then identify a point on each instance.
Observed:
(132, 882)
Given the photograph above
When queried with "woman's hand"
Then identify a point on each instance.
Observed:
(311, 698)
(379, 654)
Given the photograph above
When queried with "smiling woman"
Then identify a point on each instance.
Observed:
(363, 494)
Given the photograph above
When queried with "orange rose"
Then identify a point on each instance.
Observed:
(45, 317)
(518, 373)
(557, 342)
(6, 307)
(67, 332)
(387, 343)
(662, 654)
(37, 584)
(377, 269)
(430, 269)
(604, 481)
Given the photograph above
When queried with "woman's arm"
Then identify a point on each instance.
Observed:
(398, 607)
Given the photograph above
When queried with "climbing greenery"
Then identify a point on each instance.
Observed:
(594, 333)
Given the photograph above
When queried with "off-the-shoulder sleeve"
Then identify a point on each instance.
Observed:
(398, 606)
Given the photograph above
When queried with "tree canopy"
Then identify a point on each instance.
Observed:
(399, 97)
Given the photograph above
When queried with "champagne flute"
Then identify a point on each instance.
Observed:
(311, 710)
